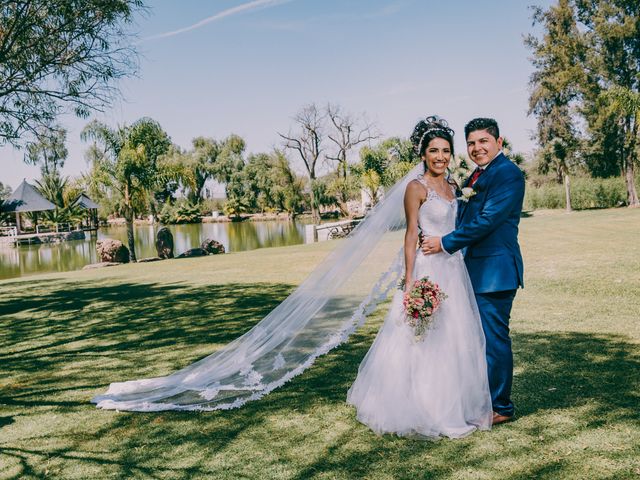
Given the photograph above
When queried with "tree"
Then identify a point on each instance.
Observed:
(164, 191)
(308, 142)
(346, 133)
(383, 165)
(260, 183)
(230, 159)
(400, 159)
(342, 189)
(555, 84)
(192, 169)
(203, 164)
(611, 33)
(371, 182)
(625, 104)
(5, 191)
(125, 159)
(588, 63)
(240, 196)
(373, 166)
(52, 187)
(156, 143)
(229, 169)
(48, 151)
(322, 192)
(265, 183)
(289, 186)
(62, 192)
(59, 55)
(516, 157)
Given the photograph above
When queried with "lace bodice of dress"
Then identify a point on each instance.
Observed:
(437, 215)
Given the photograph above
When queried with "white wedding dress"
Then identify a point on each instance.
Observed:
(438, 386)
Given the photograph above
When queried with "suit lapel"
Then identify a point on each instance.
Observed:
(462, 206)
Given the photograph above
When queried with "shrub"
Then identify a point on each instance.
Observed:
(598, 193)
(545, 196)
(182, 212)
(586, 193)
(207, 205)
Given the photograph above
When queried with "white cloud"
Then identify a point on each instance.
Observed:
(244, 7)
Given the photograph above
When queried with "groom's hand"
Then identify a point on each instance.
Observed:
(431, 245)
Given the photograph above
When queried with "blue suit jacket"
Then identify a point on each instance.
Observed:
(487, 228)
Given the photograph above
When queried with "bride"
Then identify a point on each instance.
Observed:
(437, 386)
(433, 388)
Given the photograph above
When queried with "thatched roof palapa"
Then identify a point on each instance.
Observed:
(27, 199)
(85, 202)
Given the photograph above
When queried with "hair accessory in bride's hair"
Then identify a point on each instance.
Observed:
(434, 123)
(441, 122)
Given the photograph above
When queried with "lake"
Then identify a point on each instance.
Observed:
(235, 236)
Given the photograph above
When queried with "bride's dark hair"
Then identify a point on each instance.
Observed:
(428, 129)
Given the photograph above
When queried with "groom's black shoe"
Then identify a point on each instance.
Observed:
(497, 418)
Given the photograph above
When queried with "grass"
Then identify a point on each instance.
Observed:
(64, 337)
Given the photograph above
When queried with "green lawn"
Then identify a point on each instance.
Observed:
(64, 337)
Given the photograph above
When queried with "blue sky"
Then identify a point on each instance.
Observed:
(211, 68)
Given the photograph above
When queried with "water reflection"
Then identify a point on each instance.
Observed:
(30, 259)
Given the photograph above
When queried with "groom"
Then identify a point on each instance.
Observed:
(487, 233)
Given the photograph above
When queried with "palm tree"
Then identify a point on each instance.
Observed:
(127, 162)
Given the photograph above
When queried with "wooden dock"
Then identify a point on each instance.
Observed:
(14, 239)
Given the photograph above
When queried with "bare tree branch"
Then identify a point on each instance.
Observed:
(348, 132)
(308, 142)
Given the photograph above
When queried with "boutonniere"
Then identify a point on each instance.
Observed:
(466, 194)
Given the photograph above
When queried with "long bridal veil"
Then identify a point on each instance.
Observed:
(319, 315)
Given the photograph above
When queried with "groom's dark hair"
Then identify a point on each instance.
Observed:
(488, 124)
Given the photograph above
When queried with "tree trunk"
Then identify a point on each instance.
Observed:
(344, 208)
(128, 215)
(629, 177)
(567, 190)
(373, 194)
(153, 209)
(130, 238)
(344, 195)
(628, 160)
(315, 214)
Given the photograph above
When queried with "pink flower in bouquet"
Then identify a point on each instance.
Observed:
(420, 304)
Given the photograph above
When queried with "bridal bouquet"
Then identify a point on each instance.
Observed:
(420, 303)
